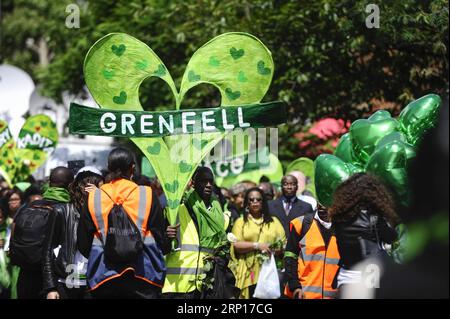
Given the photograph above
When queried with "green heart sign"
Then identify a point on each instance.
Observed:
(37, 139)
(237, 64)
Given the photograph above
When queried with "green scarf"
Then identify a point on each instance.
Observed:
(57, 194)
(210, 222)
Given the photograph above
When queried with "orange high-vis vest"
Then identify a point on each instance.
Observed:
(317, 264)
(137, 202)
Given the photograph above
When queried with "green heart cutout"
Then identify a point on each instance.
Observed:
(121, 99)
(232, 95)
(142, 65)
(172, 187)
(175, 148)
(237, 54)
(213, 61)
(155, 149)
(108, 74)
(118, 50)
(242, 77)
(36, 157)
(262, 68)
(193, 77)
(184, 167)
(365, 134)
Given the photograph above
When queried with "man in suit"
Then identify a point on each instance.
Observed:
(288, 206)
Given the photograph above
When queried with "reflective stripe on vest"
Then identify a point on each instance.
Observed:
(185, 264)
(137, 202)
(317, 264)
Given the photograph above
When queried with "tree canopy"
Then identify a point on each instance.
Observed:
(328, 63)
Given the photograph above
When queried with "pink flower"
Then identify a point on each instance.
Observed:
(329, 127)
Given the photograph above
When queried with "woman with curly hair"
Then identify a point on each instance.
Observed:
(364, 218)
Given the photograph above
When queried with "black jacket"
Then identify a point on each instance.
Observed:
(61, 230)
(362, 236)
(299, 208)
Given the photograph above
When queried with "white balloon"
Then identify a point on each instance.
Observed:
(16, 87)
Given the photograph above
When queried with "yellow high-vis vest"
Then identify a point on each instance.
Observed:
(185, 264)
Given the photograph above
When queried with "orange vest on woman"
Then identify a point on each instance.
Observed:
(137, 202)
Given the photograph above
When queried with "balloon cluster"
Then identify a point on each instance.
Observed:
(381, 145)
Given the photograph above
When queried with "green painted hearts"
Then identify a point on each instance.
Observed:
(214, 62)
(142, 65)
(262, 68)
(235, 70)
(161, 71)
(242, 77)
(236, 54)
(172, 187)
(232, 95)
(193, 77)
(154, 149)
(118, 50)
(184, 167)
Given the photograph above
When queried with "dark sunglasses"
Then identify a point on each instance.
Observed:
(259, 199)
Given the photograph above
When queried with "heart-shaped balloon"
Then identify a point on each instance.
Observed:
(344, 149)
(237, 64)
(389, 162)
(419, 116)
(330, 171)
(365, 134)
(398, 136)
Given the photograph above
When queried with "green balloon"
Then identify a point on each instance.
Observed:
(419, 116)
(365, 134)
(344, 149)
(389, 162)
(380, 115)
(330, 171)
(398, 136)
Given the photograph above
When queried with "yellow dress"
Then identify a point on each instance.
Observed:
(246, 267)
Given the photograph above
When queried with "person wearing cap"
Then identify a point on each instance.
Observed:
(64, 266)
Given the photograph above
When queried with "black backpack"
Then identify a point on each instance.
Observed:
(123, 242)
(28, 235)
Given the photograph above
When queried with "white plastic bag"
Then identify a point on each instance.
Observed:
(268, 285)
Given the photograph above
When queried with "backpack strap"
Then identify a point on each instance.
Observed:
(142, 209)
